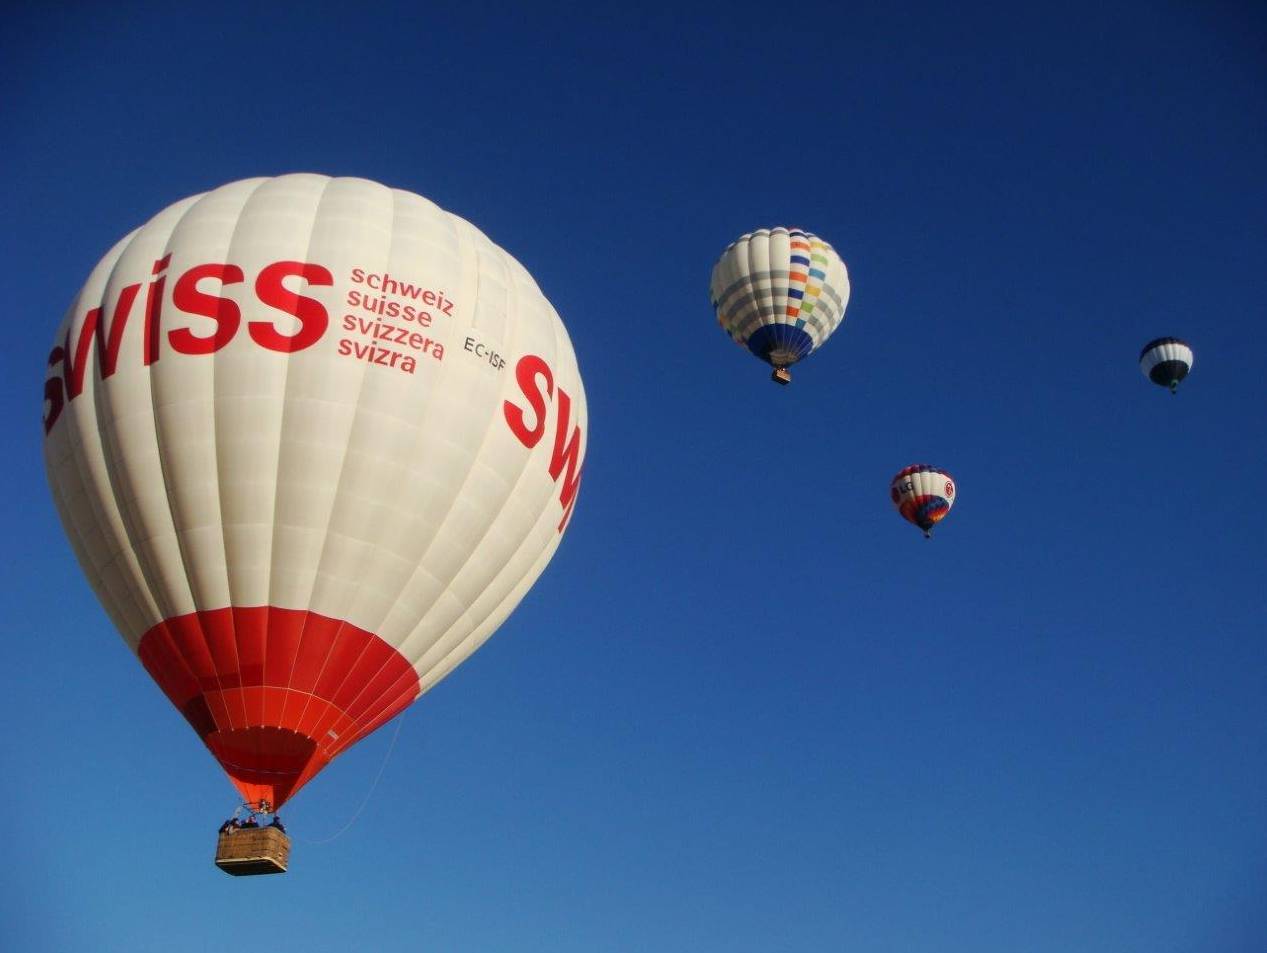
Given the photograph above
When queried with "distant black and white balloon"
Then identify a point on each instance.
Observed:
(1166, 361)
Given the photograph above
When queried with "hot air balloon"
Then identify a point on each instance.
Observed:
(1166, 361)
(923, 495)
(312, 440)
(780, 293)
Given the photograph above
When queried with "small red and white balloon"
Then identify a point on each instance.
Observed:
(923, 495)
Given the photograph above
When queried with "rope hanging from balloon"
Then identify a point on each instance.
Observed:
(400, 720)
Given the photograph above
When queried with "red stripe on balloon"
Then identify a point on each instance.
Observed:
(276, 694)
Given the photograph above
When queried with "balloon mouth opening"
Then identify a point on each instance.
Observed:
(780, 345)
(266, 763)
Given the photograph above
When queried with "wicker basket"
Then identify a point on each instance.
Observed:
(253, 850)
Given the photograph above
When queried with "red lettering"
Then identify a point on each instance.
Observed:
(74, 368)
(312, 315)
(154, 310)
(569, 454)
(108, 344)
(74, 353)
(226, 313)
(565, 456)
(529, 368)
(75, 362)
(53, 391)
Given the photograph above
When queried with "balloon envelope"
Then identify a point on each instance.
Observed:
(312, 440)
(923, 495)
(780, 293)
(1166, 361)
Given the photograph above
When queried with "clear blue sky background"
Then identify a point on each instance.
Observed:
(746, 708)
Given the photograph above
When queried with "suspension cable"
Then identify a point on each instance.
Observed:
(400, 720)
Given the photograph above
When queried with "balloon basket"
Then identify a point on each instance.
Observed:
(245, 852)
(781, 375)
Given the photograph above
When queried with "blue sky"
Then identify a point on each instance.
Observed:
(746, 708)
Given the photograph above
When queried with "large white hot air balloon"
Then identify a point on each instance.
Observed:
(780, 293)
(312, 440)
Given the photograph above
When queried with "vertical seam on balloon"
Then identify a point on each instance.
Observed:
(393, 707)
(162, 603)
(719, 290)
(78, 539)
(740, 333)
(134, 536)
(754, 295)
(216, 363)
(739, 291)
(342, 624)
(308, 615)
(196, 616)
(462, 648)
(835, 294)
(779, 307)
(161, 598)
(835, 282)
(77, 542)
(374, 704)
(468, 242)
(514, 296)
(752, 321)
(797, 278)
(815, 278)
(481, 631)
(467, 238)
(231, 610)
(167, 492)
(121, 547)
(514, 301)
(764, 288)
(379, 712)
(334, 501)
(374, 707)
(272, 600)
(421, 433)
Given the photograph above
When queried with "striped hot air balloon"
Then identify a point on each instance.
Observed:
(923, 495)
(780, 293)
(1166, 361)
(312, 441)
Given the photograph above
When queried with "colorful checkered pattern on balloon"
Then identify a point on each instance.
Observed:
(747, 301)
(807, 275)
